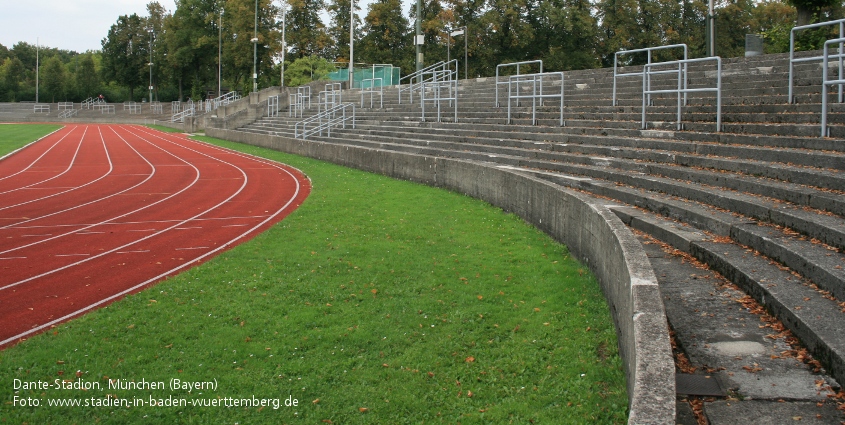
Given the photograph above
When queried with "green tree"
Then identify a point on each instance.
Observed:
(339, 29)
(54, 78)
(238, 30)
(190, 39)
(125, 53)
(13, 70)
(387, 38)
(86, 77)
(307, 69)
(306, 34)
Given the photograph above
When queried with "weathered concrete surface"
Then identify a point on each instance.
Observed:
(590, 230)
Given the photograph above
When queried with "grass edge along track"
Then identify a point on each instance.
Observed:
(377, 301)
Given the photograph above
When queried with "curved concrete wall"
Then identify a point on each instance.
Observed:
(589, 229)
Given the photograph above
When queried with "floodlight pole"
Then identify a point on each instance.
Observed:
(255, 51)
(417, 38)
(351, 44)
(466, 61)
(151, 67)
(284, 47)
(448, 45)
(37, 48)
(220, 53)
(711, 30)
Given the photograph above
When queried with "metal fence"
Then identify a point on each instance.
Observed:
(273, 106)
(518, 66)
(826, 81)
(530, 86)
(372, 87)
(682, 88)
(793, 60)
(324, 121)
(650, 64)
(442, 84)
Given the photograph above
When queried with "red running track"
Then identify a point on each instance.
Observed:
(91, 213)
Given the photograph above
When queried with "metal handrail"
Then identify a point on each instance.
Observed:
(372, 90)
(517, 64)
(325, 121)
(682, 88)
(297, 101)
(440, 79)
(642, 73)
(825, 82)
(329, 97)
(536, 80)
(793, 61)
(67, 113)
(418, 75)
(180, 117)
(273, 106)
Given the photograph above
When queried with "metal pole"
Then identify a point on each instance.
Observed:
(711, 30)
(255, 51)
(466, 63)
(417, 38)
(219, 52)
(37, 65)
(351, 43)
(151, 67)
(284, 46)
(448, 45)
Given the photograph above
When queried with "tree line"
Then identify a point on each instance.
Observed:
(188, 47)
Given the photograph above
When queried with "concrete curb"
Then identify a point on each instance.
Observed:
(591, 231)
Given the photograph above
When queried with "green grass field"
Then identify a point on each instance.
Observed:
(15, 136)
(377, 301)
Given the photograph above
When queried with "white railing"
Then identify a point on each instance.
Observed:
(518, 65)
(372, 89)
(41, 107)
(339, 115)
(67, 113)
(330, 97)
(533, 83)
(133, 108)
(297, 101)
(87, 103)
(273, 106)
(416, 80)
(826, 81)
(650, 64)
(175, 107)
(155, 107)
(64, 105)
(793, 60)
(106, 108)
(443, 85)
(180, 117)
(682, 87)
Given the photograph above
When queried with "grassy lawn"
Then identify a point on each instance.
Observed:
(14, 136)
(377, 301)
(163, 128)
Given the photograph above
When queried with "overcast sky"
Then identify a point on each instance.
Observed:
(80, 25)
(77, 25)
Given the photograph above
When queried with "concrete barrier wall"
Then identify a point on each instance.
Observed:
(590, 230)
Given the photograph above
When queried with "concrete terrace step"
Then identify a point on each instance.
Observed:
(760, 203)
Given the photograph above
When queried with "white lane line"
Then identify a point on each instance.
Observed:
(188, 228)
(195, 247)
(71, 255)
(196, 178)
(41, 156)
(90, 233)
(12, 258)
(153, 279)
(133, 252)
(235, 225)
(141, 230)
(152, 173)
(34, 236)
(69, 166)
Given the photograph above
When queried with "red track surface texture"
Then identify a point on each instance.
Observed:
(94, 212)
